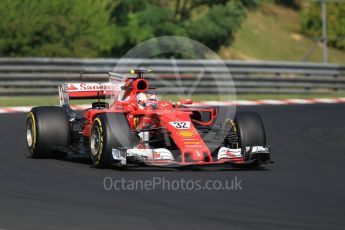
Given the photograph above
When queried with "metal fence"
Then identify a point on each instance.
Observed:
(40, 76)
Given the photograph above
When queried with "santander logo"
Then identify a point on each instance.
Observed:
(89, 87)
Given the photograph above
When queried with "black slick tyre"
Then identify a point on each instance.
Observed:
(47, 130)
(109, 131)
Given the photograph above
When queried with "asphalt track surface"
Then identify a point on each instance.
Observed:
(304, 189)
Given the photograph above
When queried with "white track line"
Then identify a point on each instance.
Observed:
(272, 102)
(214, 103)
(299, 101)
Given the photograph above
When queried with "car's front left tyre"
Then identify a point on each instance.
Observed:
(109, 131)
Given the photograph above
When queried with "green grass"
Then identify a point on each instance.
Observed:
(36, 101)
(273, 33)
(23, 101)
(52, 100)
(259, 96)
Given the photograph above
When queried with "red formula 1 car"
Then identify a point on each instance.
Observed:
(134, 128)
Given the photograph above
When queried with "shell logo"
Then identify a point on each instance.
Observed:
(186, 133)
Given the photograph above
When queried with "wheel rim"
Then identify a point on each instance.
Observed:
(94, 141)
(29, 133)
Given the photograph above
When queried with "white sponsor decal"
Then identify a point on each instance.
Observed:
(149, 154)
(226, 153)
(258, 149)
(77, 87)
(180, 124)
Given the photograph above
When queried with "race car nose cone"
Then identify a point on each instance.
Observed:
(195, 156)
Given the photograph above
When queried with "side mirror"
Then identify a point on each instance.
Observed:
(186, 102)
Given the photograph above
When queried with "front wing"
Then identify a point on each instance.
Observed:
(248, 156)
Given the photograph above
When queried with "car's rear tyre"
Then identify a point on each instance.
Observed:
(47, 131)
(109, 130)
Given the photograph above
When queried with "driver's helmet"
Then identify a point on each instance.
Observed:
(151, 96)
(141, 97)
(146, 100)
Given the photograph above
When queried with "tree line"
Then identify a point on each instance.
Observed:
(109, 28)
(93, 28)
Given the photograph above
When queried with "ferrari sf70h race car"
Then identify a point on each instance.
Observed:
(134, 128)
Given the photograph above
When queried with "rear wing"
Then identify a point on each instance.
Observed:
(89, 90)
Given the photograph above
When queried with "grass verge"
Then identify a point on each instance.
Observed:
(272, 32)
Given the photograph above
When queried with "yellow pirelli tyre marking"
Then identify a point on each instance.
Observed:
(100, 136)
(232, 125)
(32, 117)
(136, 122)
